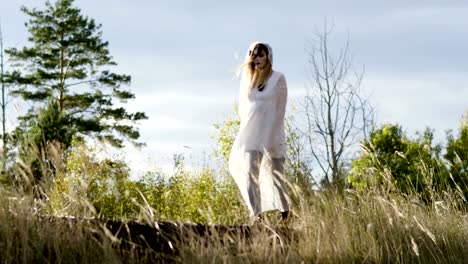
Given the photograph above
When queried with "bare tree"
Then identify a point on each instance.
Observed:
(336, 115)
(298, 168)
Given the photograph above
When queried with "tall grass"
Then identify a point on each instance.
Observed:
(351, 228)
(378, 225)
(371, 227)
(27, 238)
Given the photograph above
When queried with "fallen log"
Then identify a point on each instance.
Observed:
(166, 238)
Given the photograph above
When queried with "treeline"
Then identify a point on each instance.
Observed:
(414, 165)
(387, 159)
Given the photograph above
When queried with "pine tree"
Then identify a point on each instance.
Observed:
(41, 149)
(69, 63)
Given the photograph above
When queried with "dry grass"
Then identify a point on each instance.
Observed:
(376, 226)
(352, 228)
(26, 239)
(372, 227)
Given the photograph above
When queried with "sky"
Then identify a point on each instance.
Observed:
(183, 55)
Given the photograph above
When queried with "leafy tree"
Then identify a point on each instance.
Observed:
(70, 63)
(457, 156)
(390, 157)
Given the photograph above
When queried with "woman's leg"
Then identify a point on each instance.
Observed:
(280, 184)
(253, 186)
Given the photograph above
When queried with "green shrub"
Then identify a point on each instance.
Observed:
(396, 161)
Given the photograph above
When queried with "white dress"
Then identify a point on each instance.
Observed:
(261, 129)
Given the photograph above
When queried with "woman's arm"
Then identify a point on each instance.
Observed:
(281, 97)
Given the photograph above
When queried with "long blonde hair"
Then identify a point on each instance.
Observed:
(257, 77)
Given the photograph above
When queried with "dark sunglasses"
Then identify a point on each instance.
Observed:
(255, 51)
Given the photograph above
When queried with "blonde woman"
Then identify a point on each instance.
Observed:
(258, 154)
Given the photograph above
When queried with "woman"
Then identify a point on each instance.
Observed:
(258, 154)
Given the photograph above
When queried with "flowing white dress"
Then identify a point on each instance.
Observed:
(261, 129)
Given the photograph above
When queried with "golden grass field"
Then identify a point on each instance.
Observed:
(328, 227)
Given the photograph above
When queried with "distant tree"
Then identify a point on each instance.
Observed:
(392, 159)
(3, 105)
(66, 77)
(298, 169)
(70, 63)
(336, 114)
(457, 155)
(4, 81)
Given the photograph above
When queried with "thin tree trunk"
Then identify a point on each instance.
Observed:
(2, 80)
(332, 108)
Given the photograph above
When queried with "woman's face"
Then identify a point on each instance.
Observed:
(260, 60)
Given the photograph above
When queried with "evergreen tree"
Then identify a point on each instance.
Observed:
(69, 63)
(42, 146)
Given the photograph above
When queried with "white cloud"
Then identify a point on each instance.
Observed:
(435, 101)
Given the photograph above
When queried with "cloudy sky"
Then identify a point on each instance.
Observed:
(183, 55)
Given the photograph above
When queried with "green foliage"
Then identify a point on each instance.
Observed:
(457, 156)
(393, 159)
(49, 129)
(50, 125)
(199, 195)
(226, 132)
(195, 196)
(91, 186)
(102, 187)
(70, 63)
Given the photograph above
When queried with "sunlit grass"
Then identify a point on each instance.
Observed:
(370, 227)
(375, 225)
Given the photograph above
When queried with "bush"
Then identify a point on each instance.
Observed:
(396, 161)
(89, 186)
(102, 187)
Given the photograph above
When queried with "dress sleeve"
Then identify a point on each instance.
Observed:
(281, 97)
(243, 93)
